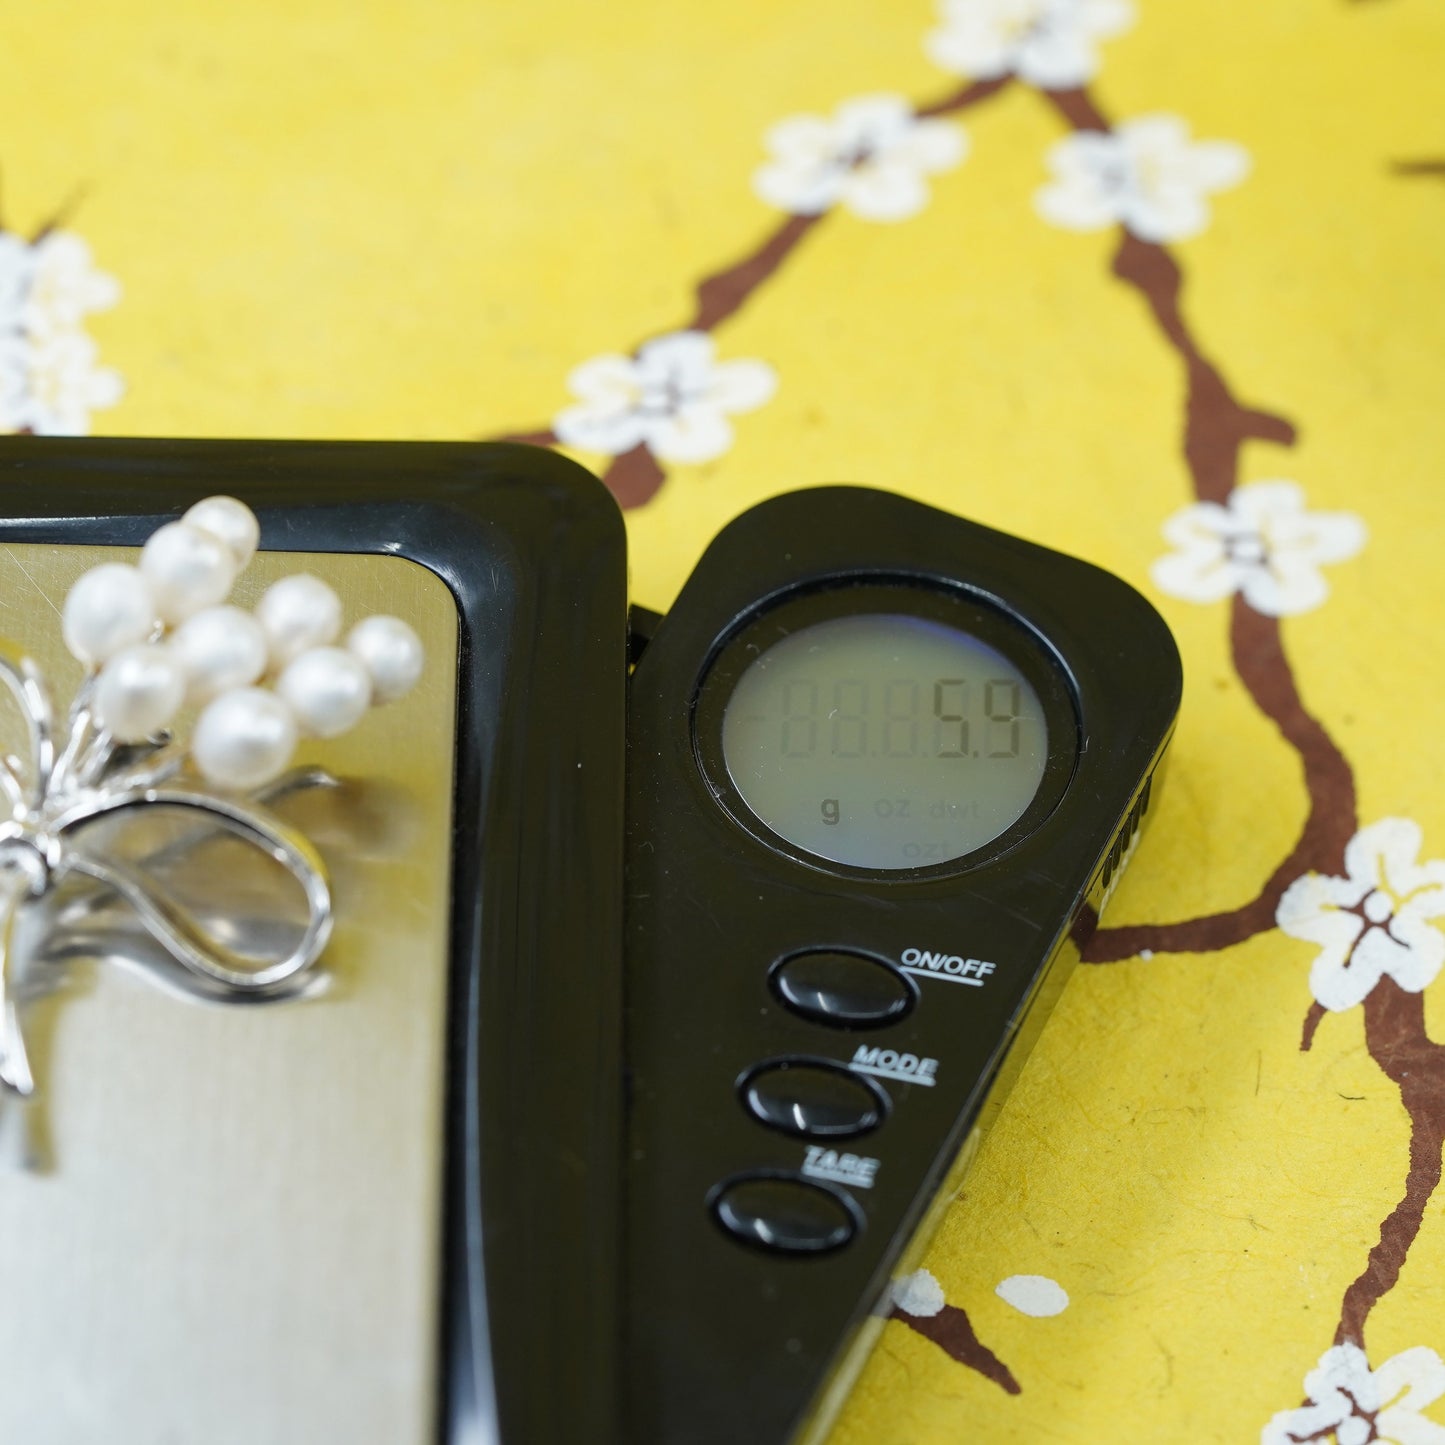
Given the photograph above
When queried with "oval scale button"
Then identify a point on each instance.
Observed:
(812, 1099)
(846, 990)
(784, 1213)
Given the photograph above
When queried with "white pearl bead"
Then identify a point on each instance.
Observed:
(244, 739)
(328, 689)
(110, 607)
(391, 652)
(297, 613)
(233, 522)
(220, 648)
(188, 569)
(138, 692)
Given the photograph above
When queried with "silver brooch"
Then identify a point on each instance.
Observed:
(157, 638)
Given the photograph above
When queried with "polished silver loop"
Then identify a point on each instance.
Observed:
(56, 800)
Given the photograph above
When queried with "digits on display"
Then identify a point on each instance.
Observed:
(853, 726)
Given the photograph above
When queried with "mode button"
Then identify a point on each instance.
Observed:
(813, 1099)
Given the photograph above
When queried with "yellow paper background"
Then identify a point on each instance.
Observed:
(390, 220)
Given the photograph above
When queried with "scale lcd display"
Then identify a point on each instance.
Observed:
(885, 741)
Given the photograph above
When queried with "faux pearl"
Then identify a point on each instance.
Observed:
(391, 653)
(138, 692)
(219, 648)
(244, 739)
(298, 613)
(328, 689)
(188, 569)
(110, 607)
(233, 522)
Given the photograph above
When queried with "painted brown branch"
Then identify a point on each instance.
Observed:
(1260, 660)
(63, 214)
(633, 478)
(952, 1331)
(1216, 427)
(541, 437)
(964, 98)
(1415, 1064)
(636, 476)
(67, 209)
(1078, 108)
(725, 292)
(1429, 169)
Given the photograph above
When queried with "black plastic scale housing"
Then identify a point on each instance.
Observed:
(532, 551)
(643, 1239)
(759, 1250)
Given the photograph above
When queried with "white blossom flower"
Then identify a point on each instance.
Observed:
(918, 1294)
(49, 380)
(17, 265)
(1050, 43)
(1262, 543)
(64, 385)
(1034, 1294)
(1375, 920)
(65, 286)
(14, 382)
(672, 397)
(1350, 1404)
(873, 157)
(1146, 174)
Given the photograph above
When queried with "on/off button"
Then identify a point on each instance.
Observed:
(843, 988)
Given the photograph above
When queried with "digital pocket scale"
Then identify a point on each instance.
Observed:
(665, 1011)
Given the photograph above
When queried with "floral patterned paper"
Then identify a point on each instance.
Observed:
(1156, 284)
(1378, 920)
(1348, 1403)
(674, 399)
(1261, 543)
(873, 158)
(1146, 175)
(50, 377)
(1049, 43)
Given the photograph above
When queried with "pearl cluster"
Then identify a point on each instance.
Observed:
(160, 635)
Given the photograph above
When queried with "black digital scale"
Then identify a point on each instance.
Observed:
(755, 908)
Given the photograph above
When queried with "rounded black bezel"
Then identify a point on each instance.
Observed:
(951, 604)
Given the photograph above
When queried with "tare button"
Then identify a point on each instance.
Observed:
(785, 1213)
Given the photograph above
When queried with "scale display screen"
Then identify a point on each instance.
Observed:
(885, 740)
